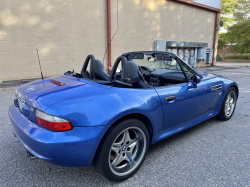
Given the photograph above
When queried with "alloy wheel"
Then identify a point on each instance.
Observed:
(230, 103)
(127, 151)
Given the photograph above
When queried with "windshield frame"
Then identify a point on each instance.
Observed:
(154, 53)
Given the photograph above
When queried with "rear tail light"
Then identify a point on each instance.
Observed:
(53, 123)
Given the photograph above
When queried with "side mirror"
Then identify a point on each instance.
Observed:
(151, 59)
(195, 80)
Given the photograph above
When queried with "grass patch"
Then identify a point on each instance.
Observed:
(234, 60)
(234, 57)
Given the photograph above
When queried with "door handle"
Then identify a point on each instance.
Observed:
(170, 98)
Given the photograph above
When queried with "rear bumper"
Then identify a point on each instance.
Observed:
(71, 148)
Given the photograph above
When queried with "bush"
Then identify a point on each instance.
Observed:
(219, 57)
(245, 56)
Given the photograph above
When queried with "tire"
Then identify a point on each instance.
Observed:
(225, 112)
(122, 150)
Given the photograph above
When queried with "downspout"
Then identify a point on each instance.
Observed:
(109, 34)
(215, 35)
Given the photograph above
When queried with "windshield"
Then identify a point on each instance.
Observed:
(152, 62)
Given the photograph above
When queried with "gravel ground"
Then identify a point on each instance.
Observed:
(213, 153)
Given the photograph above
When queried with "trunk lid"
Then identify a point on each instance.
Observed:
(42, 94)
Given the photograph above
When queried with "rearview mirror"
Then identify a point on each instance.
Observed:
(118, 70)
(195, 80)
(151, 59)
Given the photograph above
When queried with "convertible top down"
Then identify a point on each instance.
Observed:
(109, 120)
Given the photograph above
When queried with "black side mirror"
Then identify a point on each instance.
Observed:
(195, 80)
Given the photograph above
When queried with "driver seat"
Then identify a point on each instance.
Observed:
(99, 71)
(134, 74)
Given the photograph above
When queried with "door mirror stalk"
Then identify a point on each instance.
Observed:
(194, 81)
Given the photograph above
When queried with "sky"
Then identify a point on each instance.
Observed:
(212, 3)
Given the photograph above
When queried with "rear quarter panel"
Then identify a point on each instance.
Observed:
(107, 106)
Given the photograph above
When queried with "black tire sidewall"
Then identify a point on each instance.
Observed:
(107, 143)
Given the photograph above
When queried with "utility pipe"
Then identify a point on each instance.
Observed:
(109, 34)
(215, 35)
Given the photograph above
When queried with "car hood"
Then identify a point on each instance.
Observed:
(42, 94)
(207, 75)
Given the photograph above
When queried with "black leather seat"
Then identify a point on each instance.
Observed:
(99, 71)
(135, 76)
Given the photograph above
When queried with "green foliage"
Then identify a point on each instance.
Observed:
(228, 8)
(222, 41)
(219, 57)
(236, 17)
(239, 33)
(242, 9)
(245, 56)
(239, 30)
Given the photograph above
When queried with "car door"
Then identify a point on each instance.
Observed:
(181, 103)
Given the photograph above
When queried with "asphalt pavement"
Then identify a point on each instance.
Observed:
(213, 153)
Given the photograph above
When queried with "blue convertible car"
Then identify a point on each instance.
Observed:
(109, 120)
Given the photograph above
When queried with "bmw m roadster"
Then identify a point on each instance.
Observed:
(110, 120)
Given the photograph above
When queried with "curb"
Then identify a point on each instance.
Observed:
(8, 89)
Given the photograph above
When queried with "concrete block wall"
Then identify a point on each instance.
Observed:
(144, 21)
(64, 32)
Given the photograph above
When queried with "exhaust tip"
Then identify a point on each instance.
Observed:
(31, 156)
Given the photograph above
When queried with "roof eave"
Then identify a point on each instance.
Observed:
(191, 3)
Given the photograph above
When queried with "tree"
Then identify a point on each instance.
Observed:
(222, 41)
(236, 17)
(242, 10)
(228, 8)
(239, 32)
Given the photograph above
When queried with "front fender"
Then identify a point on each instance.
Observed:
(107, 106)
(236, 86)
(227, 84)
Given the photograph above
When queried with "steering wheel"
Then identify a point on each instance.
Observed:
(84, 71)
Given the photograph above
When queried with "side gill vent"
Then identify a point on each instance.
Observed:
(217, 87)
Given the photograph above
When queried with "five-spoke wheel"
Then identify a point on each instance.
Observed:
(122, 150)
(229, 104)
(127, 151)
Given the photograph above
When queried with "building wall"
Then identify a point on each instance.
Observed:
(65, 32)
(141, 22)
